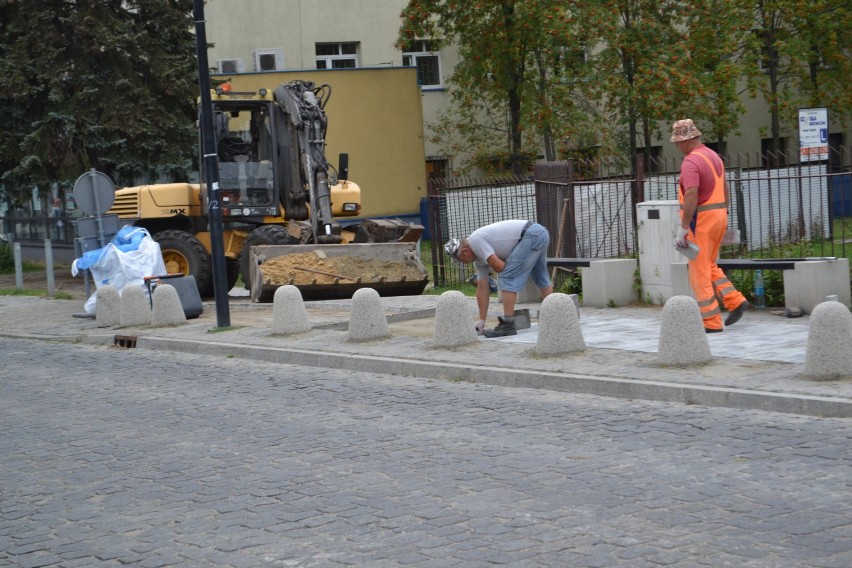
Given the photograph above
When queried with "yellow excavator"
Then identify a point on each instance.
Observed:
(276, 188)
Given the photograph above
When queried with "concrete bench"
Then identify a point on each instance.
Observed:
(553, 262)
(606, 281)
(807, 281)
(758, 263)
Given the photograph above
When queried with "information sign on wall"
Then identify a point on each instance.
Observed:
(813, 134)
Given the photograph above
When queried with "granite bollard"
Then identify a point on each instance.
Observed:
(453, 324)
(559, 326)
(288, 311)
(108, 306)
(167, 309)
(367, 318)
(683, 340)
(829, 349)
(135, 307)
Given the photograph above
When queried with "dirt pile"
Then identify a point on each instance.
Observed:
(309, 268)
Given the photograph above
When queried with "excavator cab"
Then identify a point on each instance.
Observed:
(244, 146)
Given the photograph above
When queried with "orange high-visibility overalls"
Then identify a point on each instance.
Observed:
(705, 277)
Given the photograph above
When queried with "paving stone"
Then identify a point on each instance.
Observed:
(276, 463)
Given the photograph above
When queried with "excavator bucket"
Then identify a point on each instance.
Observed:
(327, 272)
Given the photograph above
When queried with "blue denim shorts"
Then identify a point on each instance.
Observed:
(527, 260)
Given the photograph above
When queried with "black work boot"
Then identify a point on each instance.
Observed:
(735, 315)
(503, 329)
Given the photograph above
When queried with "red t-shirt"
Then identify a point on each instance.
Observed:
(695, 172)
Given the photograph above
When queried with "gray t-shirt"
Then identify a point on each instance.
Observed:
(497, 238)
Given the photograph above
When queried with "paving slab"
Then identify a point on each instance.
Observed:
(757, 364)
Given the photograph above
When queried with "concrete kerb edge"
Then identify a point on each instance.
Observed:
(86, 338)
(631, 389)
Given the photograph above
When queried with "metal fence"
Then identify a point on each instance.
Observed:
(28, 228)
(804, 210)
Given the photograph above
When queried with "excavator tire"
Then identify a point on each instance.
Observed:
(184, 254)
(232, 271)
(264, 235)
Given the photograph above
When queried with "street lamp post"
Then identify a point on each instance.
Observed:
(211, 172)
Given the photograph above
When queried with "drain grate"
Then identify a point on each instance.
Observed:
(126, 341)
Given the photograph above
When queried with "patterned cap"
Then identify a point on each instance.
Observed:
(451, 247)
(684, 130)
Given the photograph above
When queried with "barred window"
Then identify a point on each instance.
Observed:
(337, 55)
(423, 54)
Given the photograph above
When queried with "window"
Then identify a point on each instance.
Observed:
(268, 59)
(423, 54)
(653, 159)
(569, 62)
(337, 55)
(835, 153)
(772, 159)
(437, 167)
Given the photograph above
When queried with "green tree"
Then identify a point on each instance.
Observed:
(824, 46)
(717, 35)
(802, 48)
(105, 84)
(508, 56)
(641, 70)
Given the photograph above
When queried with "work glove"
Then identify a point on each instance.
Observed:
(480, 327)
(681, 240)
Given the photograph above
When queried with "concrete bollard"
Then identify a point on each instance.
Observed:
(559, 326)
(683, 340)
(288, 311)
(829, 355)
(453, 324)
(167, 309)
(135, 307)
(108, 306)
(367, 317)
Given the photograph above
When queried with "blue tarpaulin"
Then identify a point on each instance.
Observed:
(127, 239)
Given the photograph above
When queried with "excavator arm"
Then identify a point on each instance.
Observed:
(302, 128)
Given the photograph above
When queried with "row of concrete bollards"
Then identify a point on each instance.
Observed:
(682, 339)
(133, 308)
(828, 354)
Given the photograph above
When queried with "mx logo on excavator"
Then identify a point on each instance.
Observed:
(175, 211)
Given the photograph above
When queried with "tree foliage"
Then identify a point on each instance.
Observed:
(802, 49)
(510, 53)
(716, 49)
(105, 84)
(520, 86)
(642, 74)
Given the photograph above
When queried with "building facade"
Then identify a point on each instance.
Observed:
(287, 35)
(341, 34)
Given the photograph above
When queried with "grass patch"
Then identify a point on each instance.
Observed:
(39, 292)
(225, 328)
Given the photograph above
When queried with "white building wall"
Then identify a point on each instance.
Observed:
(238, 28)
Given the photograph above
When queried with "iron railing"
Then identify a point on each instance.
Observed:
(800, 210)
(27, 228)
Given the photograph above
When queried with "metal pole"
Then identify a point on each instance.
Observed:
(211, 172)
(19, 267)
(48, 261)
(99, 223)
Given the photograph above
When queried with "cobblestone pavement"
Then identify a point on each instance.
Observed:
(112, 457)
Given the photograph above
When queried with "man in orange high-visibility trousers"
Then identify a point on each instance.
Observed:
(703, 200)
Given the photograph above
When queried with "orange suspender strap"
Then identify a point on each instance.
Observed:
(718, 189)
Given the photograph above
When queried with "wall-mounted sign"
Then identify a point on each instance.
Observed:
(813, 134)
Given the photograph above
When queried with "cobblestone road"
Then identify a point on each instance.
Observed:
(111, 457)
